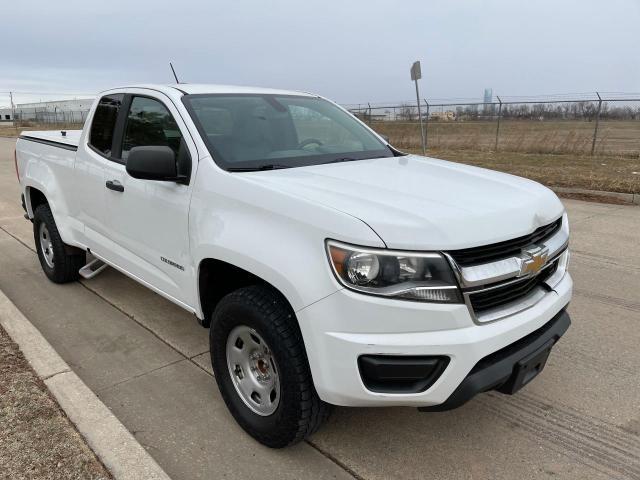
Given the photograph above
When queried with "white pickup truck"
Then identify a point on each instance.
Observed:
(331, 268)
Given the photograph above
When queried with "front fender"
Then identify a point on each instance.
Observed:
(276, 236)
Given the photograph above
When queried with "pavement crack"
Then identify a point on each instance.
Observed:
(198, 354)
(17, 239)
(109, 387)
(66, 370)
(333, 459)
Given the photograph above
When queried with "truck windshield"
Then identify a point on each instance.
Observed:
(245, 132)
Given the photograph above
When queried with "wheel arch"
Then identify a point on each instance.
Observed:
(34, 197)
(217, 278)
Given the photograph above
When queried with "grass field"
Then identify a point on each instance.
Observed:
(524, 136)
(608, 173)
(11, 131)
(556, 153)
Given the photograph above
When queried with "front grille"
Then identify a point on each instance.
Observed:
(487, 299)
(509, 248)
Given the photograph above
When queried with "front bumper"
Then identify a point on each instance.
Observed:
(342, 327)
(497, 371)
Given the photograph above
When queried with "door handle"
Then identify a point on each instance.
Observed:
(115, 185)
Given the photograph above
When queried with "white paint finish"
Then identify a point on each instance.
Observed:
(343, 326)
(274, 224)
(138, 246)
(418, 203)
(71, 137)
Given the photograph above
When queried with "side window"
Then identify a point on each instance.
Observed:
(104, 121)
(150, 123)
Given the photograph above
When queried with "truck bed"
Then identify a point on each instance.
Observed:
(53, 137)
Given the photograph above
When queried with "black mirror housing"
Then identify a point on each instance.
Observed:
(153, 163)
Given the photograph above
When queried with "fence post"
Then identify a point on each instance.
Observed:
(495, 148)
(370, 119)
(595, 130)
(426, 127)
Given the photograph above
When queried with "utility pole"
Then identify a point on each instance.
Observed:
(595, 131)
(13, 107)
(416, 74)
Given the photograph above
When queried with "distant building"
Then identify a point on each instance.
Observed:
(488, 99)
(446, 116)
(71, 111)
(6, 114)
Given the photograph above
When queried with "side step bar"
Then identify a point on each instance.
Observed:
(92, 269)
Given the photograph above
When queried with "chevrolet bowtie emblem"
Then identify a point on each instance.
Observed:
(534, 259)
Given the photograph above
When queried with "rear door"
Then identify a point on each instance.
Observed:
(92, 157)
(148, 220)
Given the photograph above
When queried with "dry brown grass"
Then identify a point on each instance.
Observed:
(36, 438)
(606, 173)
(621, 138)
(11, 131)
(555, 153)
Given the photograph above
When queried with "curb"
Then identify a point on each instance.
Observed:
(632, 198)
(114, 445)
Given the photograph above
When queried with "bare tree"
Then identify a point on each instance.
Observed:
(407, 112)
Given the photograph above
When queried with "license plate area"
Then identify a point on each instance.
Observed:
(527, 368)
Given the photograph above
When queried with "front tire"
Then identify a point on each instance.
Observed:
(59, 261)
(261, 367)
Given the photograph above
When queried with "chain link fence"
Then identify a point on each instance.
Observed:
(49, 111)
(590, 142)
(598, 126)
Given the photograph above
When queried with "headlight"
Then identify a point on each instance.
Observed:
(425, 277)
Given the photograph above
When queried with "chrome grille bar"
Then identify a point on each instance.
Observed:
(498, 275)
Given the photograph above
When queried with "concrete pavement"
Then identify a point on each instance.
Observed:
(148, 362)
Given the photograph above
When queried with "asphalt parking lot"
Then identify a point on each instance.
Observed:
(148, 361)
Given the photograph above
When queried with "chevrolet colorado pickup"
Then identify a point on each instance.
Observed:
(330, 268)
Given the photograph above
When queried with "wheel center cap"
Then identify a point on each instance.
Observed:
(262, 366)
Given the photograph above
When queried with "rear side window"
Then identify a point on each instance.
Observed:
(104, 122)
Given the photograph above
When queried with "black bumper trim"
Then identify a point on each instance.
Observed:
(399, 373)
(496, 370)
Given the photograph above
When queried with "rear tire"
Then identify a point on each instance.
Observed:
(262, 311)
(59, 261)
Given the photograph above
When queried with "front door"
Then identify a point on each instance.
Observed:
(149, 220)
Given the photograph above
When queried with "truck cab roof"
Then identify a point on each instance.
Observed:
(197, 88)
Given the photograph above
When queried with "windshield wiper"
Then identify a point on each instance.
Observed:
(267, 166)
(351, 159)
(343, 159)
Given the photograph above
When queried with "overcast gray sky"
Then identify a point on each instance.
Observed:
(349, 50)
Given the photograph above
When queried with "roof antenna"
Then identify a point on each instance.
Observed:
(174, 73)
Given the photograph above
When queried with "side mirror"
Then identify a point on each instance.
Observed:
(153, 163)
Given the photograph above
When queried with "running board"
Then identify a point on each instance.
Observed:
(92, 269)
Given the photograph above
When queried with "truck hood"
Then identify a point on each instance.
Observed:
(420, 203)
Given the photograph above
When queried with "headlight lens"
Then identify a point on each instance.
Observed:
(425, 277)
